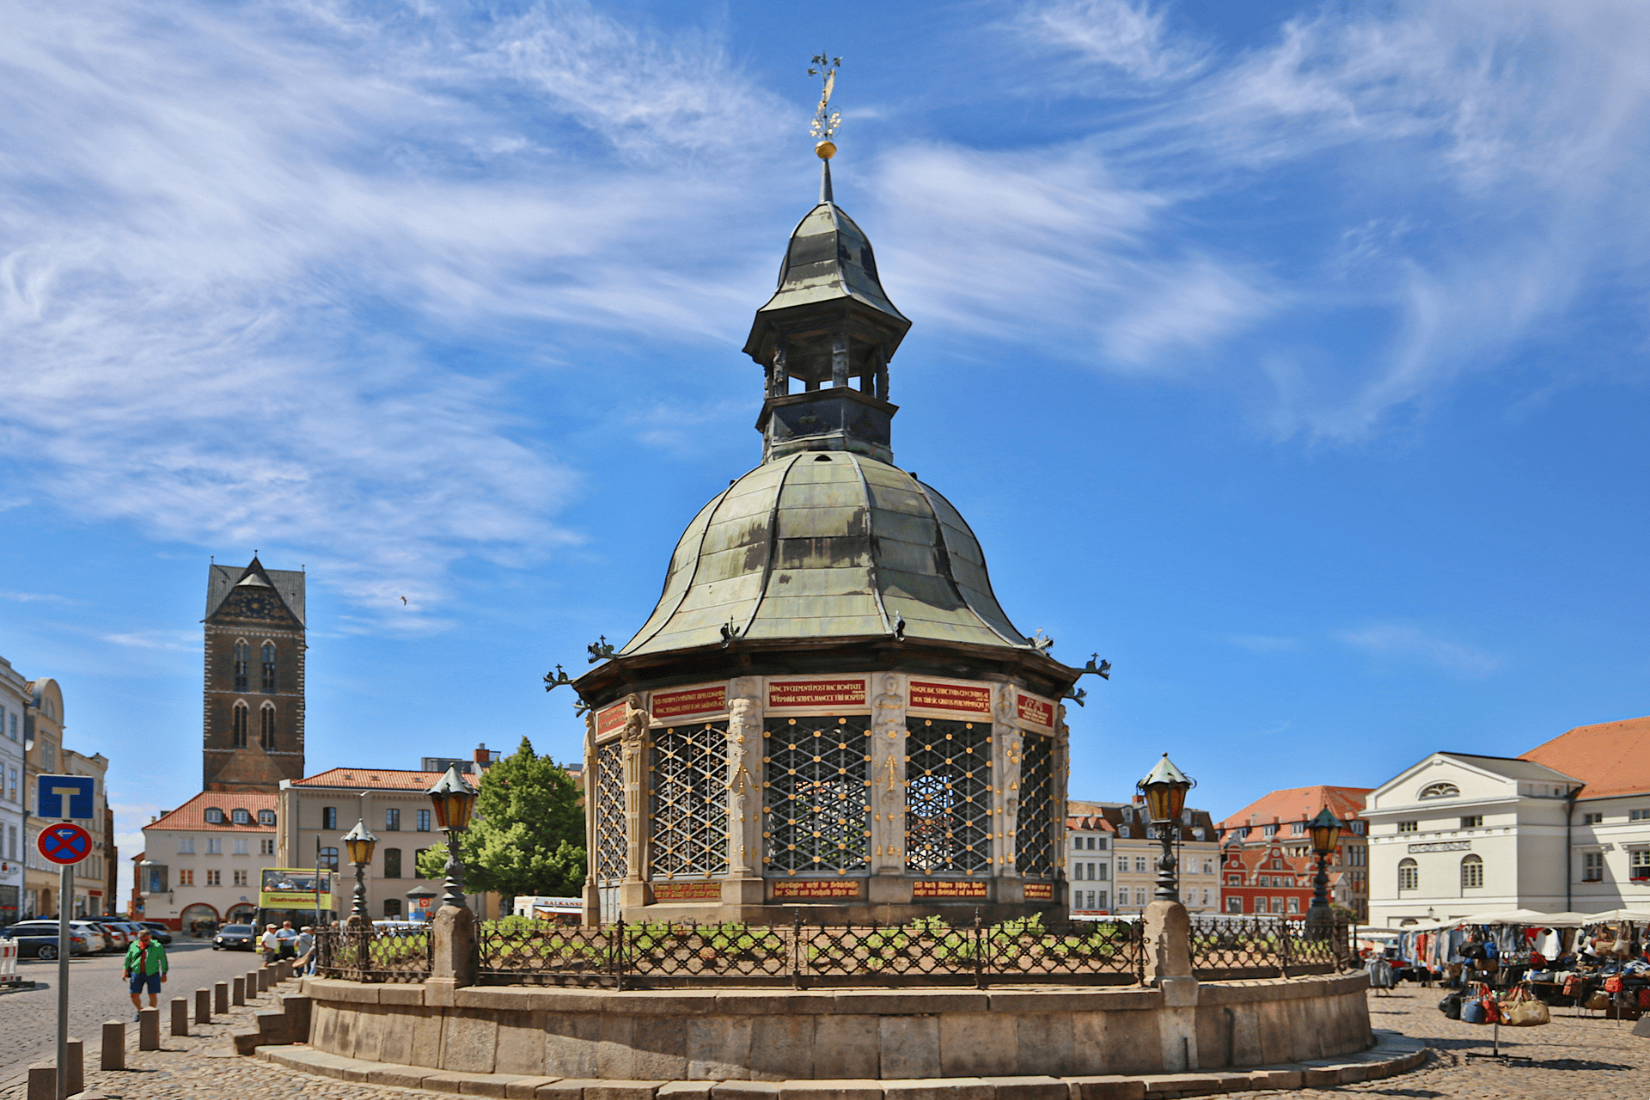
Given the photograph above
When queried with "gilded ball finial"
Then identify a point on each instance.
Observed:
(825, 150)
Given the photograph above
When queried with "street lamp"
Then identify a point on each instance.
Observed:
(453, 799)
(1326, 834)
(1165, 788)
(359, 843)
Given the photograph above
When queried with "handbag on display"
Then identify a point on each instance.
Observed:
(1644, 997)
(1451, 1006)
(1492, 1009)
(1472, 1012)
(1521, 1008)
(1597, 1000)
(1572, 985)
(1612, 984)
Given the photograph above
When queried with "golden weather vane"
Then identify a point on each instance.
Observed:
(826, 119)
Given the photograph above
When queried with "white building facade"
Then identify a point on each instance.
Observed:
(203, 861)
(1089, 865)
(14, 695)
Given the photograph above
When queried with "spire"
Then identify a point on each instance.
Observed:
(828, 324)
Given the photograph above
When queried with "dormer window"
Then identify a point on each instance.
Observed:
(241, 817)
(1441, 790)
(214, 816)
(1269, 830)
(266, 817)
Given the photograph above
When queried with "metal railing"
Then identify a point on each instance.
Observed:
(922, 952)
(1261, 947)
(374, 954)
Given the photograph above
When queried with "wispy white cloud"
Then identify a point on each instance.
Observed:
(1411, 643)
(1129, 38)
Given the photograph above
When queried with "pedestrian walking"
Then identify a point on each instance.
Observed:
(306, 950)
(145, 968)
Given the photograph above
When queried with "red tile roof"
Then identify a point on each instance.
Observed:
(373, 779)
(1094, 823)
(1300, 804)
(1612, 758)
(192, 814)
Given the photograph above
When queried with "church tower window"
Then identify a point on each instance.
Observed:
(269, 668)
(240, 665)
(238, 726)
(266, 726)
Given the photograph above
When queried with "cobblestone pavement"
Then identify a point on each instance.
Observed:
(28, 1020)
(1573, 1058)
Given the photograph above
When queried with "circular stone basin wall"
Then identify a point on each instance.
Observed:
(760, 1034)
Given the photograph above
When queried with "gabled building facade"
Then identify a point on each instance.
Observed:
(1267, 862)
(203, 860)
(1136, 850)
(1089, 851)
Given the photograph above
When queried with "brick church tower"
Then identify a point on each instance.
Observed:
(254, 699)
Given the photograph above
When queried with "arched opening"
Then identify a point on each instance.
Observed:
(269, 668)
(197, 918)
(1472, 872)
(241, 650)
(238, 726)
(266, 725)
(1409, 875)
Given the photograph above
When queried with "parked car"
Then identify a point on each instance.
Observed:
(159, 931)
(235, 937)
(118, 932)
(98, 941)
(38, 939)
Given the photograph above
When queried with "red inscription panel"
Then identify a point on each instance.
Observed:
(817, 888)
(705, 700)
(1039, 891)
(687, 891)
(968, 698)
(1039, 712)
(610, 719)
(947, 888)
(816, 693)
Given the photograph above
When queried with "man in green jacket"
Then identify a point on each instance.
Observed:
(146, 968)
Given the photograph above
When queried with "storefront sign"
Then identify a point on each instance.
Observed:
(1442, 846)
(967, 698)
(1038, 712)
(610, 719)
(947, 888)
(702, 700)
(817, 888)
(813, 694)
(687, 891)
(1039, 891)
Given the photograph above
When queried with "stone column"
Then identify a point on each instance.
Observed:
(1167, 931)
(1006, 748)
(887, 789)
(633, 894)
(455, 957)
(744, 884)
(779, 379)
(592, 783)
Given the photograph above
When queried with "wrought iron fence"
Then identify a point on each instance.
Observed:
(923, 952)
(1253, 947)
(390, 954)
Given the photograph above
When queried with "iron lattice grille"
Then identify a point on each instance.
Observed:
(948, 797)
(610, 833)
(816, 802)
(689, 774)
(1034, 842)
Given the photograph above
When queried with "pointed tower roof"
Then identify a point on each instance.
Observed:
(223, 579)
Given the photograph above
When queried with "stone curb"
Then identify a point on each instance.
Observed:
(1392, 1054)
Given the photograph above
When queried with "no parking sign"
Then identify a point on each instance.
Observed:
(65, 843)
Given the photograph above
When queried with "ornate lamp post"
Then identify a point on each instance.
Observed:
(1165, 788)
(359, 843)
(454, 799)
(1326, 834)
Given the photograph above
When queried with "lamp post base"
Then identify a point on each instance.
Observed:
(455, 957)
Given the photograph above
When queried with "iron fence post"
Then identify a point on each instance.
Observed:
(1283, 946)
(618, 957)
(979, 954)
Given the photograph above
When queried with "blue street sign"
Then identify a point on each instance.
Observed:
(65, 796)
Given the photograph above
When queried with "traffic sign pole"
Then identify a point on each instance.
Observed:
(65, 893)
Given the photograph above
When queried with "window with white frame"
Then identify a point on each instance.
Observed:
(1639, 862)
(1409, 826)
(266, 846)
(241, 846)
(1592, 819)
(186, 845)
(1077, 871)
(1472, 821)
(1638, 815)
(1140, 895)
(1472, 872)
(214, 846)
(1140, 864)
(1409, 875)
(1294, 905)
(214, 816)
(1100, 872)
(1592, 867)
(214, 878)
(1234, 905)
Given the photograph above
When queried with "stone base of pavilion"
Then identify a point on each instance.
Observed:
(1049, 1033)
(1390, 1054)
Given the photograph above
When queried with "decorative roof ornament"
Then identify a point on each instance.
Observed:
(826, 119)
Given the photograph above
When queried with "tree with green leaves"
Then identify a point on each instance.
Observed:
(527, 834)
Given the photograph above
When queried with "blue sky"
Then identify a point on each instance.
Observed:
(1291, 356)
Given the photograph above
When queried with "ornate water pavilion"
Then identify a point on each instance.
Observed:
(828, 708)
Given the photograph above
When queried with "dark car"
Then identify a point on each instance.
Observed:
(38, 939)
(235, 937)
(160, 933)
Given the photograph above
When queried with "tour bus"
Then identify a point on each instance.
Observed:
(301, 895)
